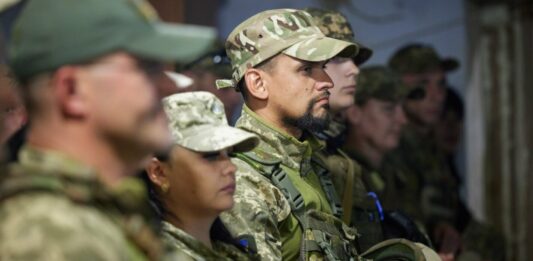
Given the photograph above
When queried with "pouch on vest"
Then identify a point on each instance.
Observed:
(401, 249)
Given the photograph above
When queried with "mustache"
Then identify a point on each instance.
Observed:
(323, 95)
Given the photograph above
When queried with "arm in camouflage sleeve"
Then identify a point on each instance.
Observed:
(45, 226)
(259, 208)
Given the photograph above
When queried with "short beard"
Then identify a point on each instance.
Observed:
(308, 121)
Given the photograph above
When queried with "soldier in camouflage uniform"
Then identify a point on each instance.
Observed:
(196, 181)
(423, 72)
(422, 166)
(285, 204)
(359, 208)
(374, 124)
(86, 68)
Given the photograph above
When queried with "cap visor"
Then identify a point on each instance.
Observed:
(321, 49)
(363, 55)
(449, 64)
(174, 43)
(209, 139)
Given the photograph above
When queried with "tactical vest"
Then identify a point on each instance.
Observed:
(324, 235)
(141, 236)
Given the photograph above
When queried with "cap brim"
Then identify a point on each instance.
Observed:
(449, 64)
(363, 55)
(319, 49)
(209, 139)
(174, 43)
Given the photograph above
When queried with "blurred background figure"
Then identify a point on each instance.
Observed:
(205, 70)
(433, 188)
(12, 112)
(449, 128)
(374, 125)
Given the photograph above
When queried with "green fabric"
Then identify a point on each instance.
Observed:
(51, 33)
(54, 208)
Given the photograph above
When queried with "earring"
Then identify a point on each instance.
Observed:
(164, 187)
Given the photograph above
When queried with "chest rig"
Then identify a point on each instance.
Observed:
(324, 235)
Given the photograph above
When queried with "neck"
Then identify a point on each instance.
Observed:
(81, 144)
(197, 227)
(362, 147)
(276, 121)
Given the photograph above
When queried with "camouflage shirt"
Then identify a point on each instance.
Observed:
(54, 208)
(428, 190)
(189, 248)
(260, 208)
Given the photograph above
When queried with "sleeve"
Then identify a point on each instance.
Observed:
(259, 208)
(49, 227)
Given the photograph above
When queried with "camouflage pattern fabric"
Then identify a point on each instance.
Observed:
(260, 208)
(288, 31)
(53, 208)
(380, 83)
(192, 249)
(419, 58)
(198, 122)
(428, 190)
(335, 25)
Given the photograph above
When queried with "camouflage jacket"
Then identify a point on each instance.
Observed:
(187, 247)
(54, 208)
(424, 186)
(260, 208)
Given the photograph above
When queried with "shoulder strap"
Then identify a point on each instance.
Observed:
(347, 198)
(327, 185)
(275, 173)
(25, 183)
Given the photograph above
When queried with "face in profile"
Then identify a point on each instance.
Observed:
(193, 183)
(125, 98)
(380, 123)
(343, 72)
(12, 112)
(427, 109)
(299, 91)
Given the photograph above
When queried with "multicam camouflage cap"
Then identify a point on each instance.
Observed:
(420, 58)
(379, 82)
(335, 25)
(288, 31)
(197, 122)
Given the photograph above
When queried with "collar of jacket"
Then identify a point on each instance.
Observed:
(277, 145)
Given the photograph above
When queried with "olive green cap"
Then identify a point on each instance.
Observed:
(420, 58)
(288, 31)
(335, 25)
(379, 82)
(52, 33)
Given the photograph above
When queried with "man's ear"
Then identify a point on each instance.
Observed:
(353, 114)
(68, 93)
(157, 175)
(256, 82)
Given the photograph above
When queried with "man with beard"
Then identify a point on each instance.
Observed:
(278, 59)
(87, 71)
(285, 204)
